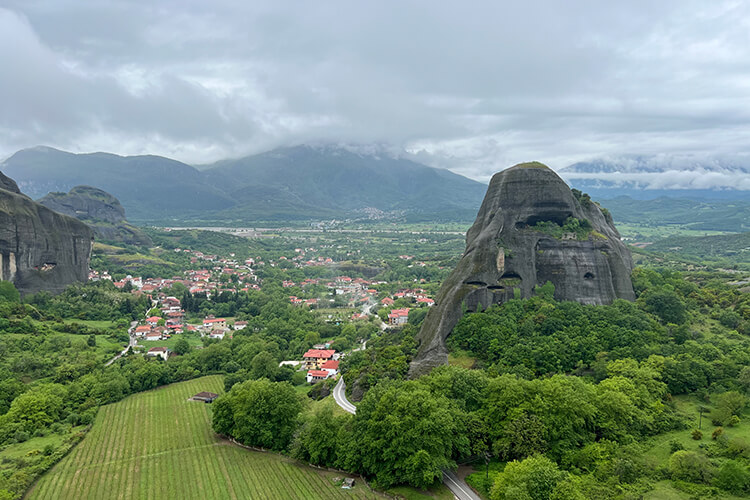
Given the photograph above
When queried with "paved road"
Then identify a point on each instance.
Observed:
(131, 343)
(458, 487)
(339, 394)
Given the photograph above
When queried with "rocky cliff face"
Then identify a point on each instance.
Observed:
(40, 249)
(518, 242)
(100, 210)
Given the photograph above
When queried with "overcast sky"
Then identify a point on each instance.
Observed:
(473, 86)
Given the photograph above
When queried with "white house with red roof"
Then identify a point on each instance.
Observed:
(399, 316)
(314, 376)
(331, 366)
(153, 320)
(142, 330)
(214, 323)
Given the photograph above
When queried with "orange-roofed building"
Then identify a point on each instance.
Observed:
(314, 358)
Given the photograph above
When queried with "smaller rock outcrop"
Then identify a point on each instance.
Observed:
(40, 249)
(100, 210)
(530, 229)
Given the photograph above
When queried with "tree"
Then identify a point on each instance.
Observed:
(402, 433)
(733, 477)
(523, 436)
(690, 466)
(263, 365)
(665, 304)
(91, 341)
(534, 478)
(729, 404)
(258, 413)
(182, 347)
(317, 439)
(8, 291)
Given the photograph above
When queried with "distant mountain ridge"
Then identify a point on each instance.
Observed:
(653, 176)
(297, 183)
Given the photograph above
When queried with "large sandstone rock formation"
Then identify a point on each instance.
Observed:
(100, 210)
(40, 249)
(508, 254)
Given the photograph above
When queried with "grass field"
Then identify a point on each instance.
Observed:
(159, 445)
(193, 339)
(650, 232)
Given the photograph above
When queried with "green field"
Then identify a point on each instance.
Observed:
(159, 445)
(652, 232)
(194, 339)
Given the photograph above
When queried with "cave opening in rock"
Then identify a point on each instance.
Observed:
(475, 283)
(588, 276)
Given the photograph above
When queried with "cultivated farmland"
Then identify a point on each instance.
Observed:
(159, 445)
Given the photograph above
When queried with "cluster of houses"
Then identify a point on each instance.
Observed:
(205, 281)
(162, 327)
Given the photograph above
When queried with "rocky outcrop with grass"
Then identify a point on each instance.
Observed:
(531, 229)
(100, 210)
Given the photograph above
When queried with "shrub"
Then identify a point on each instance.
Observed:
(697, 434)
(717, 432)
(675, 445)
(733, 477)
(690, 466)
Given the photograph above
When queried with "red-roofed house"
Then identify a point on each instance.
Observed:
(314, 376)
(142, 330)
(398, 316)
(153, 320)
(332, 367)
(314, 358)
(387, 301)
(214, 323)
(425, 300)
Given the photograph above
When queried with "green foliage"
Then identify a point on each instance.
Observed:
(8, 292)
(258, 413)
(697, 434)
(733, 477)
(317, 440)
(665, 304)
(690, 466)
(182, 347)
(729, 404)
(581, 228)
(403, 433)
(535, 478)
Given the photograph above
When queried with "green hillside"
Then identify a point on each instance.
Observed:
(709, 215)
(289, 184)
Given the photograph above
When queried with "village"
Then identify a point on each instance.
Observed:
(167, 320)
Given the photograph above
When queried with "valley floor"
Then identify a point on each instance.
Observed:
(160, 445)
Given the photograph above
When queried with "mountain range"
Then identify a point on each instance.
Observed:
(304, 183)
(297, 183)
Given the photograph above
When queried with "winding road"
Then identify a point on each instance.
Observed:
(458, 487)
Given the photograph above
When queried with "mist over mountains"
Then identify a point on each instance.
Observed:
(653, 176)
(305, 183)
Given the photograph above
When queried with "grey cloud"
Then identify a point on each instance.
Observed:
(474, 86)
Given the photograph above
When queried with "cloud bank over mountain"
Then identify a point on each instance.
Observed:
(475, 87)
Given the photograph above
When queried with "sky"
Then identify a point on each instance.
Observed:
(474, 86)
